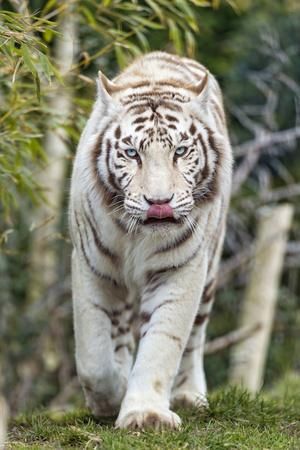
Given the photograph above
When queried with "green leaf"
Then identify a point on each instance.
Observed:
(89, 15)
(190, 43)
(27, 57)
(202, 3)
(143, 41)
(149, 23)
(49, 5)
(46, 66)
(189, 14)
(175, 36)
(160, 13)
(121, 57)
(133, 48)
(48, 35)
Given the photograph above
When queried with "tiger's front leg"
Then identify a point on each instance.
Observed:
(168, 314)
(104, 343)
(189, 388)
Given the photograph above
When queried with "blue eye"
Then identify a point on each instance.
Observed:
(181, 151)
(131, 152)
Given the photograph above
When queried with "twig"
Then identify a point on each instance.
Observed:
(268, 139)
(291, 190)
(223, 342)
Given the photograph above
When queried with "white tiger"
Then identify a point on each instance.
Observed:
(149, 195)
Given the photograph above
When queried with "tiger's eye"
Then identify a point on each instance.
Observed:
(181, 151)
(131, 152)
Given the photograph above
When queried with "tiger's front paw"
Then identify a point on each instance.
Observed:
(155, 418)
(188, 399)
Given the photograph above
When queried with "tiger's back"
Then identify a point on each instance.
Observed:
(150, 191)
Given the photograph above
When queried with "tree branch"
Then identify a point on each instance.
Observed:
(223, 342)
(268, 139)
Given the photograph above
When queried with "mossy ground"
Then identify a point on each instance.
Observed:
(234, 420)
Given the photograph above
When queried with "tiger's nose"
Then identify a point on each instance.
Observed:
(158, 201)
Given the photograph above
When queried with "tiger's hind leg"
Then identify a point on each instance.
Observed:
(103, 339)
(189, 387)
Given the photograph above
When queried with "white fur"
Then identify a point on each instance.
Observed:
(141, 390)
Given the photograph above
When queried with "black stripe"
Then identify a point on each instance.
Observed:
(100, 184)
(181, 381)
(121, 177)
(111, 176)
(200, 319)
(186, 179)
(150, 275)
(106, 251)
(119, 166)
(102, 309)
(209, 291)
(140, 120)
(165, 333)
(166, 302)
(213, 185)
(185, 236)
(128, 346)
(118, 132)
(192, 129)
(161, 98)
(205, 170)
(171, 118)
(88, 262)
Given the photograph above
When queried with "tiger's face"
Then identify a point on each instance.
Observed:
(159, 161)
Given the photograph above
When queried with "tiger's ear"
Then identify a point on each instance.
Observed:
(105, 87)
(203, 89)
(202, 86)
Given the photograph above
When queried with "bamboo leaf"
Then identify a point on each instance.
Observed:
(149, 23)
(27, 57)
(175, 36)
(190, 43)
(143, 41)
(156, 8)
(121, 57)
(202, 3)
(46, 66)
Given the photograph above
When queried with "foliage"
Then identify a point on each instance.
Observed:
(233, 420)
(24, 57)
(26, 46)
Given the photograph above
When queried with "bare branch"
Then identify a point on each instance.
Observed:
(223, 342)
(268, 139)
(289, 191)
(245, 120)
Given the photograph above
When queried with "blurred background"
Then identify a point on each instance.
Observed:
(50, 52)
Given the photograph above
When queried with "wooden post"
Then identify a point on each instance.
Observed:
(248, 357)
(3, 422)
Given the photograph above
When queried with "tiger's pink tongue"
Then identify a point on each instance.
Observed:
(160, 211)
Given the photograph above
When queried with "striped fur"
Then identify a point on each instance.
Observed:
(154, 281)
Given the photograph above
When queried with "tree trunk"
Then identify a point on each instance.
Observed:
(248, 357)
(46, 221)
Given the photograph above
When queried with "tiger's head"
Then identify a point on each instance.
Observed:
(157, 154)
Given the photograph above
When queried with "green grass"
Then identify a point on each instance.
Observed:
(234, 420)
